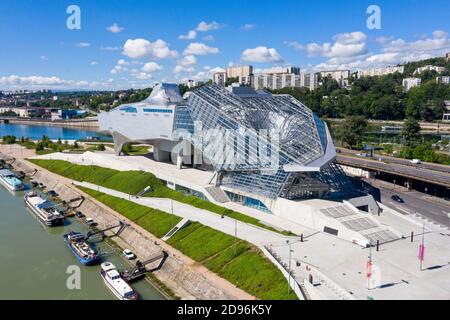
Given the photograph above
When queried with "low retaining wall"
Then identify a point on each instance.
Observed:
(89, 124)
(293, 283)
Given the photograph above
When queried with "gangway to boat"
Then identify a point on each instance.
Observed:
(139, 269)
(121, 227)
(78, 202)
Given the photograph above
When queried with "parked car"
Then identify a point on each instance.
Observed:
(363, 155)
(416, 161)
(79, 214)
(90, 222)
(52, 193)
(397, 198)
(128, 254)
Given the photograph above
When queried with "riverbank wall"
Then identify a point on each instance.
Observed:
(185, 277)
(90, 124)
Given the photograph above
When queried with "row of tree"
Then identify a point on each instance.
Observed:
(380, 97)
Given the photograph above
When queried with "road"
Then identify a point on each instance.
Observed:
(405, 162)
(414, 172)
(415, 202)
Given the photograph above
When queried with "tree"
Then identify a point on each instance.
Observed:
(351, 130)
(411, 132)
(9, 139)
(388, 148)
(127, 148)
(231, 80)
(100, 147)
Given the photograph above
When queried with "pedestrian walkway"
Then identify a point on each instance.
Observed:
(248, 232)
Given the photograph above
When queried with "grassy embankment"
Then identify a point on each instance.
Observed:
(132, 182)
(239, 262)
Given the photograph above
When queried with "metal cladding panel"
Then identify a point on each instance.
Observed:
(140, 122)
(150, 119)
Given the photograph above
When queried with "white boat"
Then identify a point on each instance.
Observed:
(44, 209)
(10, 180)
(114, 281)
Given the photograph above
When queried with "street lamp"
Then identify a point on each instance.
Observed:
(289, 271)
(235, 236)
(172, 212)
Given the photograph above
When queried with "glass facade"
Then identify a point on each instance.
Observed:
(158, 110)
(301, 139)
(248, 202)
(128, 109)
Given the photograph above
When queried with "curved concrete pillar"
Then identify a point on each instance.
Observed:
(119, 141)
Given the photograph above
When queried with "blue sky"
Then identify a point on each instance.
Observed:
(133, 43)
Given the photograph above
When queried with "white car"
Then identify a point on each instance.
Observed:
(416, 161)
(363, 155)
(90, 221)
(128, 254)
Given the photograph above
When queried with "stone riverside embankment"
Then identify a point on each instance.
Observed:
(185, 277)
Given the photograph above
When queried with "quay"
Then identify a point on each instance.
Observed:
(87, 123)
(184, 276)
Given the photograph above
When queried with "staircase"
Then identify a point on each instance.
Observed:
(146, 190)
(361, 222)
(217, 194)
(180, 225)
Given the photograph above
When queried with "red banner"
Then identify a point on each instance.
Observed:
(421, 252)
(369, 269)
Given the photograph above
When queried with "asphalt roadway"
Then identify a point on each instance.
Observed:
(414, 202)
(399, 167)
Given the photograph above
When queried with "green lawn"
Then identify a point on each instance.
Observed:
(132, 182)
(239, 262)
(138, 151)
(155, 221)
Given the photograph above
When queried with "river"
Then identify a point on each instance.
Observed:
(35, 132)
(34, 259)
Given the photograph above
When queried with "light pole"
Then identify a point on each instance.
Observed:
(171, 203)
(235, 236)
(289, 271)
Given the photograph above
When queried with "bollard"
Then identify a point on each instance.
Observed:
(378, 245)
(412, 236)
(301, 237)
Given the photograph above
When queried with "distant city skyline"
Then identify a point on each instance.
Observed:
(125, 45)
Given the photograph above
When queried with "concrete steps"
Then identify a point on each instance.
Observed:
(217, 194)
(355, 220)
(381, 234)
(180, 225)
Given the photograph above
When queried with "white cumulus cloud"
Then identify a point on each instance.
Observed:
(140, 48)
(203, 26)
(151, 67)
(189, 36)
(188, 60)
(198, 49)
(180, 69)
(261, 54)
(349, 44)
(439, 41)
(115, 28)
